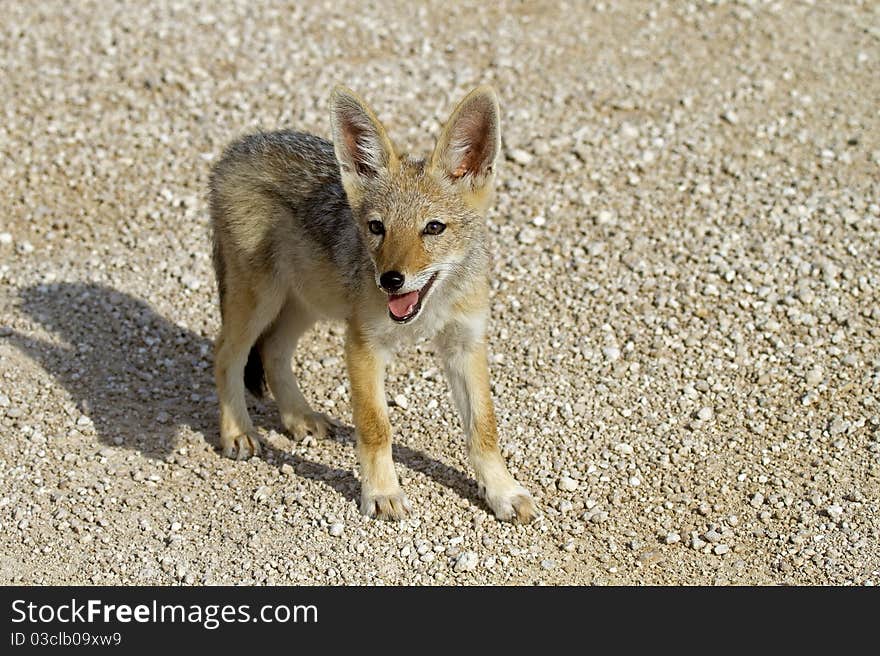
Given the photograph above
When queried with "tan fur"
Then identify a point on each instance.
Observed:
(292, 245)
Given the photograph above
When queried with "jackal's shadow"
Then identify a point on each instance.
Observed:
(139, 377)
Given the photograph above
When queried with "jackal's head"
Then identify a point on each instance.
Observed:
(422, 219)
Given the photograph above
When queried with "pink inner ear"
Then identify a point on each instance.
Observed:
(464, 167)
(351, 140)
(471, 146)
(354, 136)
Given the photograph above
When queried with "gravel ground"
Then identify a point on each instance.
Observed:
(685, 335)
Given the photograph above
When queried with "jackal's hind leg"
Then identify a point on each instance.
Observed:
(246, 315)
(276, 350)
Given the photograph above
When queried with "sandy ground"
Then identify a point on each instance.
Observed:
(685, 335)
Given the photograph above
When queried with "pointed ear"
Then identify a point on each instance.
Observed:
(468, 147)
(362, 146)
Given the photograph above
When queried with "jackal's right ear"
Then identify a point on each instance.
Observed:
(362, 146)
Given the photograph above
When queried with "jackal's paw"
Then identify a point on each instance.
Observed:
(386, 506)
(512, 503)
(316, 423)
(240, 447)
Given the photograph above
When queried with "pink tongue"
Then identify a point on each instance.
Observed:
(403, 304)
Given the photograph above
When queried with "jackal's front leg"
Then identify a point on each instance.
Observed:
(381, 495)
(467, 370)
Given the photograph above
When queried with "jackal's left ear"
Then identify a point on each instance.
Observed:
(361, 143)
(469, 144)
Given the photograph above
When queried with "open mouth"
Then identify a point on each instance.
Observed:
(403, 308)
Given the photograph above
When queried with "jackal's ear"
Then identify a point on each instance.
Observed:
(469, 144)
(362, 146)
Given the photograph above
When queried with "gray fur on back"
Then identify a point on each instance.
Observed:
(292, 179)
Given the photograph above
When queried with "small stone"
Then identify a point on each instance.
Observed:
(650, 557)
(287, 469)
(611, 353)
(401, 402)
(605, 217)
(834, 511)
(527, 236)
(705, 414)
(814, 376)
(838, 426)
(539, 221)
(595, 514)
(191, 282)
(629, 131)
(634, 481)
(721, 549)
(466, 562)
(567, 484)
(712, 536)
(5, 238)
(336, 529)
(624, 448)
(730, 116)
(548, 563)
(672, 538)
(162, 417)
(520, 156)
(757, 500)
(806, 296)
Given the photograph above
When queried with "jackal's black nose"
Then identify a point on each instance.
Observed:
(391, 281)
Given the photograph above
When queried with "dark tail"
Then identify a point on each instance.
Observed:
(254, 375)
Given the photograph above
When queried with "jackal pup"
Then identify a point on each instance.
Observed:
(391, 244)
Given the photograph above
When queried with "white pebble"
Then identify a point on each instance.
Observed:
(401, 401)
(466, 562)
(336, 529)
(712, 536)
(605, 217)
(705, 414)
(611, 353)
(567, 484)
(527, 236)
(521, 157)
(814, 376)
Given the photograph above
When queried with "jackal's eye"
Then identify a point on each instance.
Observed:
(376, 227)
(434, 228)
